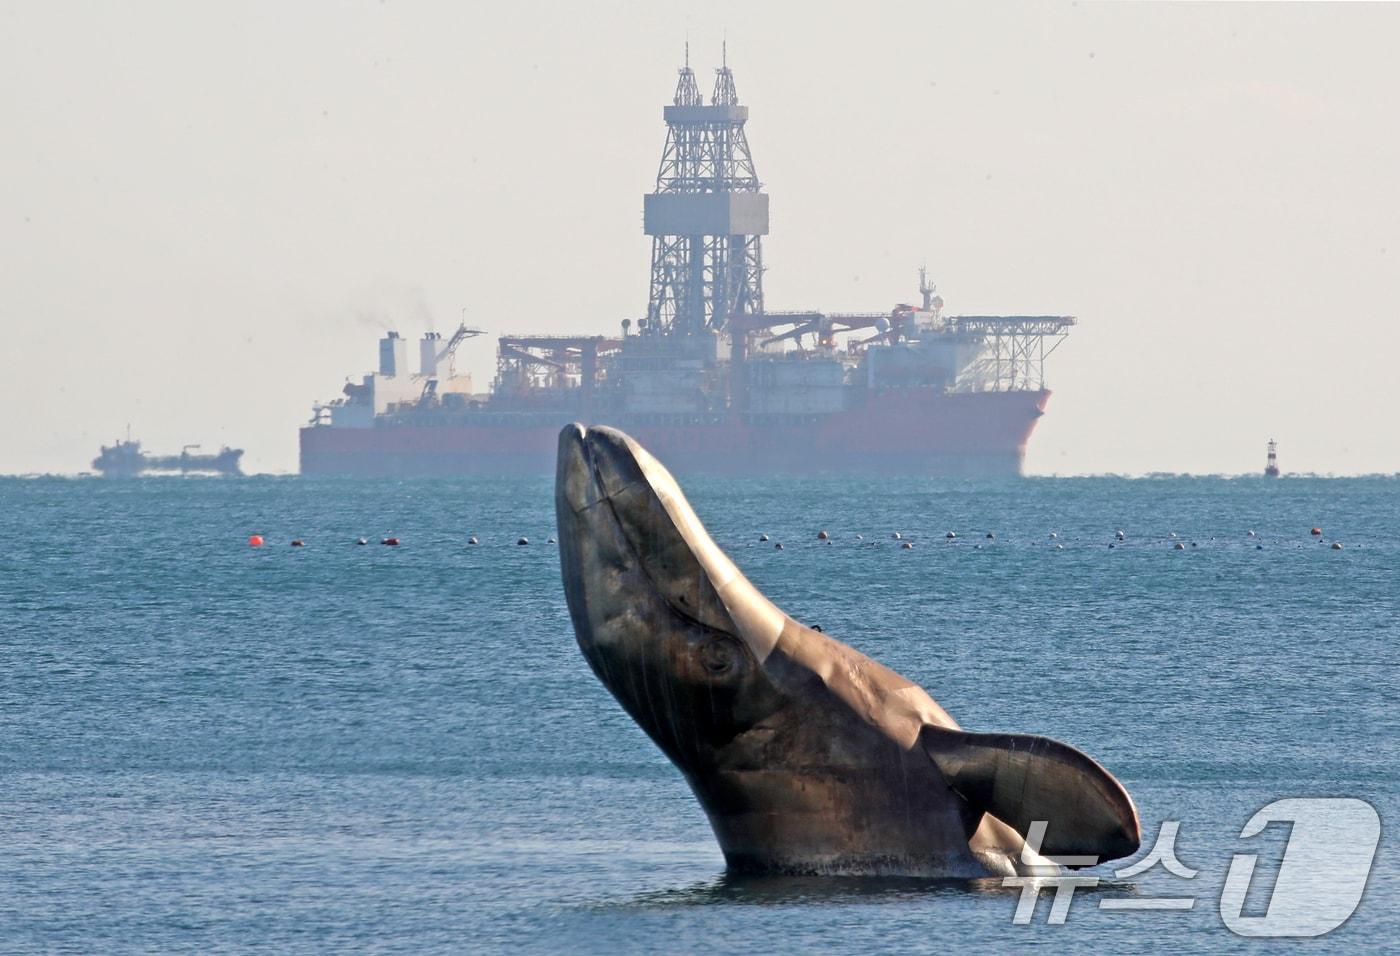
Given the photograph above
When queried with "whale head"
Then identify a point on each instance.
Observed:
(645, 608)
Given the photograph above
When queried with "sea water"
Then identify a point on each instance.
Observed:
(210, 747)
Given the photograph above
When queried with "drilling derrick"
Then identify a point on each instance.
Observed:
(706, 216)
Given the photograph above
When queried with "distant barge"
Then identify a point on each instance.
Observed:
(125, 459)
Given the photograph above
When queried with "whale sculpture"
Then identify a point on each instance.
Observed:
(806, 755)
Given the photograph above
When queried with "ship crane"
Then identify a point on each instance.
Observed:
(449, 351)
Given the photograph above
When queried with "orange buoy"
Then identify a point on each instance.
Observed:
(1316, 531)
(255, 540)
(392, 542)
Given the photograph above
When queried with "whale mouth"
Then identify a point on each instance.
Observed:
(594, 464)
(575, 485)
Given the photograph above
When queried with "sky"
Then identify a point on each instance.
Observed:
(210, 212)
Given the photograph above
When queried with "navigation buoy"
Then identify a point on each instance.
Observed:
(1336, 546)
(392, 542)
(1120, 535)
(1171, 534)
(950, 535)
(1059, 547)
(860, 537)
(907, 546)
(1179, 547)
(778, 546)
(255, 540)
(1053, 536)
(1316, 531)
(763, 537)
(1258, 547)
(522, 540)
(990, 536)
(1249, 533)
(822, 536)
(361, 541)
(298, 543)
(896, 536)
(550, 541)
(472, 540)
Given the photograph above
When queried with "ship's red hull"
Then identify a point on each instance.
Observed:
(907, 432)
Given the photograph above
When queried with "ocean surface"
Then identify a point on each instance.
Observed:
(207, 747)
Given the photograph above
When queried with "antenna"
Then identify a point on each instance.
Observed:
(687, 52)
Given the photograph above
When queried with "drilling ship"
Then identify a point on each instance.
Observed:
(710, 379)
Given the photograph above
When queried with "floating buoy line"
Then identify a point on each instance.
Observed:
(1119, 537)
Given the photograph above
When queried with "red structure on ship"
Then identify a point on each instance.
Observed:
(709, 379)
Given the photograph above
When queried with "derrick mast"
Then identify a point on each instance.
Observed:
(706, 215)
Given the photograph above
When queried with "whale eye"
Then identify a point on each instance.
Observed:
(719, 656)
